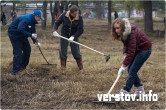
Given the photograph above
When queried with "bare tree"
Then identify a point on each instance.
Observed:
(57, 9)
(109, 14)
(74, 2)
(44, 10)
(129, 8)
(148, 21)
(98, 8)
(14, 5)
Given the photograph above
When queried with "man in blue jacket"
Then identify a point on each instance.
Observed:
(72, 28)
(19, 31)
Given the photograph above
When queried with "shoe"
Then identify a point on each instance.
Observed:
(122, 91)
(139, 90)
(121, 94)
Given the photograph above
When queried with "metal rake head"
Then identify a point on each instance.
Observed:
(107, 57)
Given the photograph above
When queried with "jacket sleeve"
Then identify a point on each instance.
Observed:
(22, 26)
(58, 22)
(80, 28)
(131, 49)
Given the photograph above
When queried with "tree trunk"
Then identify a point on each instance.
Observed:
(148, 21)
(14, 5)
(129, 10)
(57, 10)
(44, 10)
(52, 14)
(74, 3)
(99, 10)
(66, 6)
(109, 14)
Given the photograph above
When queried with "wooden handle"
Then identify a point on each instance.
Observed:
(83, 45)
(112, 87)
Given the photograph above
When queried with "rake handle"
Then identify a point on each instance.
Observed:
(43, 55)
(83, 45)
(112, 87)
(41, 52)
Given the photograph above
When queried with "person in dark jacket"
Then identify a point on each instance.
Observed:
(72, 28)
(137, 49)
(13, 14)
(3, 18)
(115, 15)
(19, 31)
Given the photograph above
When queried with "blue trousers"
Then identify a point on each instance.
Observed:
(134, 67)
(21, 52)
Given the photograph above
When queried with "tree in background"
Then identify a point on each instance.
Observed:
(44, 10)
(109, 14)
(159, 5)
(148, 21)
(56, 8)
(127, 5)
(52, 13)
(14, 5)
(99, 9)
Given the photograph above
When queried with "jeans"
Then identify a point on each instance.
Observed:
(134, 67)
(21, 52)
(75, 49)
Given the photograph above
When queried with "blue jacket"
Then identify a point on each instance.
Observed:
(23, 26)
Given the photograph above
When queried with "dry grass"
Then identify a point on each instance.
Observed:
(44, 87)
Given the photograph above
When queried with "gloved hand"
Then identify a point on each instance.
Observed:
(71, 39)
(37, 44)
(121, 70)
(34, 36)
(55, 34)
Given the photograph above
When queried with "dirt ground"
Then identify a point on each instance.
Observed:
(48, 87)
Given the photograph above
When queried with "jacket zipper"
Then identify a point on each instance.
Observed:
(70, 28)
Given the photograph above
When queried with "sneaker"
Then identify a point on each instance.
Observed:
(139, 90)
(122, 91)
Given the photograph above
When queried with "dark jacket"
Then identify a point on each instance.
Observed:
(137, 41)
(70, 27)
(3, 19)
(23, 26)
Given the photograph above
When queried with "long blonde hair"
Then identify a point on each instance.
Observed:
(114, 34)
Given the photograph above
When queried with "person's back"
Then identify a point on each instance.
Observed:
(16, 22)
(19, 25)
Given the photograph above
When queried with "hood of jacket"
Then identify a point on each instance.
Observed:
(127, 29)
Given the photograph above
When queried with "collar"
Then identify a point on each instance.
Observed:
(33, 19)
(67, 15)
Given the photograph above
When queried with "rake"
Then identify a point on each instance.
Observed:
(107, 57)
(112, 87)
